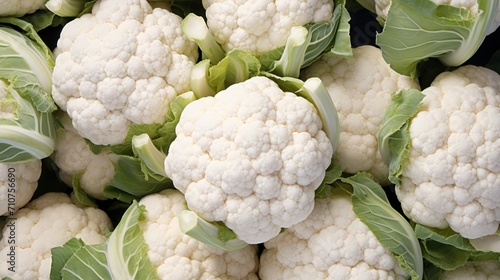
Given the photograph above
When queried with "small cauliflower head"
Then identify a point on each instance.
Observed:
(262, 25)
(19, 8)
(478, 270)
(47, 222)
(18, 183)
(178, 256)
(72, 156)
(332, 243)
(120, 65)
(361, 88)
(451, 178)
(251, 157)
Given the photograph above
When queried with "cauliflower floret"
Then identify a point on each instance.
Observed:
(252, 157)
(46, 222)
(120, 65)
(451, 176)
(18, 182)
(19, 8)
(262, 25)
(73, 155)
(361, 88)
(178, 256)
(332, 243)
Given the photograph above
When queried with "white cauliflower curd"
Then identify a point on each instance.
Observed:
(178, 256)
(451, 177)
(122, 64)
(361, 88)
(18, 183)
(262, 25)
(251, 157)
(44, 223)
(332, 243)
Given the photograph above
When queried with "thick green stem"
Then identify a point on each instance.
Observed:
(199, 79)
(195, 29)
(144, 148)
(207, 233)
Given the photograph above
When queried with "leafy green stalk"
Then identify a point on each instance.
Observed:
(61, 255)
(237, 66)
(448, 250)
(130, 182)
(195, 29)
(315, 91)
(215, 235)
(66, 8)
(342, 40)
(333, 173)
(26, 62)
(393, 135)
(199, 79)
(293, 55)
(390, 228)
(152, 159)
(124, 255)
(25, 132)
(419, 29)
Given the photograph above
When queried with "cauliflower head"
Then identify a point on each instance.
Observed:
(178, 256)
(451, 178)
(18, 183)
(252, 157)
(361, 88)
(122, 64)
(262, 25)
(19, 8)
(332, 243)
(73, 155)
(46, 222)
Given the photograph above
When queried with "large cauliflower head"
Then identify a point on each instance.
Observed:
(262, 25)
(361, 88)
(120, 65)
(178, 256)
(252, 157)
(452, 175)
(332, 243)
(18, 183)
(44, 223)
